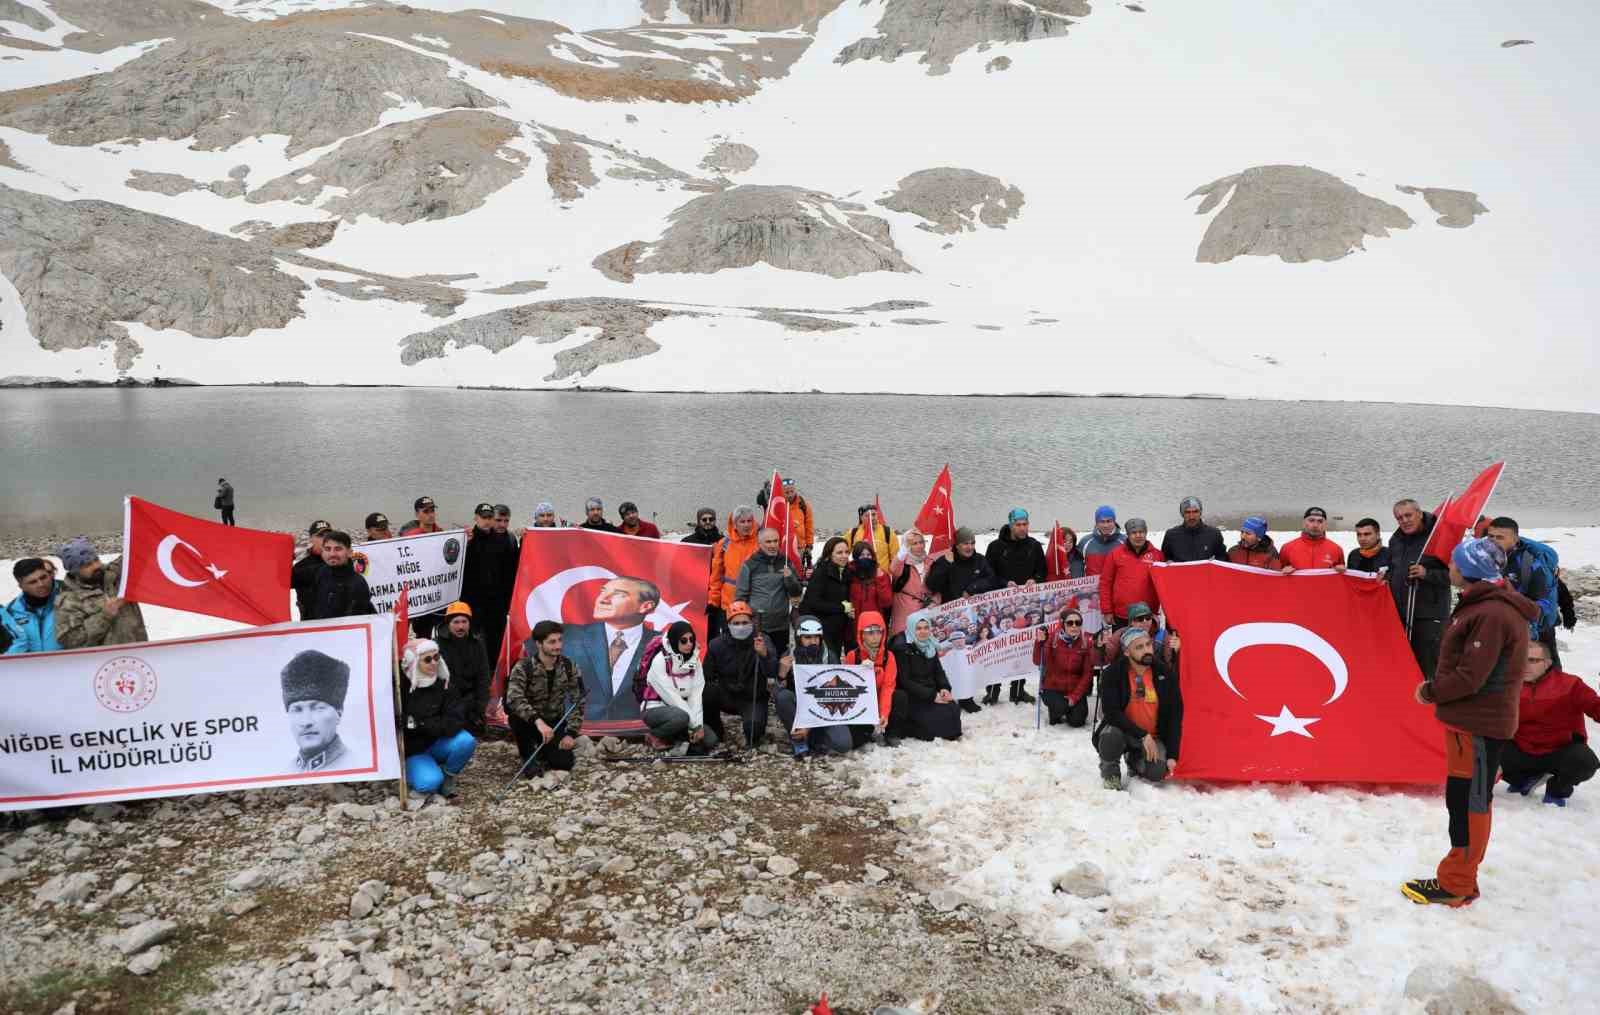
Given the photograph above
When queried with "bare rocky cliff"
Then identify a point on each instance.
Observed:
(955, 200)
(941, 30)
(1295, 213)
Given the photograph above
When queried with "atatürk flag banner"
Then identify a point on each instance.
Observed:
(1296, 678)
(184, 563)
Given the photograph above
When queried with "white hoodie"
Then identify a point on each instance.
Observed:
(683, 690)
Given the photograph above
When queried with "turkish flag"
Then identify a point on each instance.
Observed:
(1058, 556)
(1296, 678)
(1458, 514)
(778, 520)
(185, 563)
(602, 586)
(937, 519)
(402, 615)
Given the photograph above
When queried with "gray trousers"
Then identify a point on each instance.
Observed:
(1114, 747)
(671, 724)
(822, 739)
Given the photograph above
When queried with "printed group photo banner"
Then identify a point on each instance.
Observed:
(270, 706)
(430, 565)
(835, 696)
(988, 638)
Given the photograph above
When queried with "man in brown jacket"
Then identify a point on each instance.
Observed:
(1474, 691)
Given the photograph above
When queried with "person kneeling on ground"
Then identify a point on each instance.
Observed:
(437, 743)
(809, 650)
(1551, 741)
(542, 687)
(1069, 659)
(673, 704)
(872, 649)
(930, 710)
(740, 666)
(1141, 713)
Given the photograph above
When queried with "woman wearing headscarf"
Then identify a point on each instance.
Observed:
(673, 702)
(827, 594)
(870, 591)
(908, 580)
(437, 743)
(931, 711)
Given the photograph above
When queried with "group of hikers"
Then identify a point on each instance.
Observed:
(1481, 626)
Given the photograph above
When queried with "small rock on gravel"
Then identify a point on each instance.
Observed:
(125, 884)
(945, 900)
(311, 835)
(875, 874)
(66, 888)
(781, 866)
(1085, 880)
(245, 880)
(137, 938)
(708, 919)
(148, 962)
(759, 906)
(77, 826)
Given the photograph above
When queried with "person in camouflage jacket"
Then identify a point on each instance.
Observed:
(88, 612)
(539, 690)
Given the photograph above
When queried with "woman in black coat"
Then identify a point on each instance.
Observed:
(933, 712)
(437, 744)
(828, 594)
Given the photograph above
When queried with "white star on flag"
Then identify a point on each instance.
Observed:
(666, 614)
(216, 572)
(1287, 722)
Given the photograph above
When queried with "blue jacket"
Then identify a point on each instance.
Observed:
(31, 630)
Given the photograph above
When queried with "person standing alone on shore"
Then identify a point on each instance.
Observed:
(224, 501)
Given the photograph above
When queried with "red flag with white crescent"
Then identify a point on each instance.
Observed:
(602, 586)
(1296, 678)
(937, 519)
(1458, 514)
(185, 563)
(778, 519)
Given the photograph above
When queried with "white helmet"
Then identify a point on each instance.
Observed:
(810, 626)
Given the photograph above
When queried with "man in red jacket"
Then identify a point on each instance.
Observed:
(1551, 741)
(1312, 549)
(1126, 580)
(1474, 691)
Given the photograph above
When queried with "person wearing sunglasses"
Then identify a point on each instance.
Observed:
(437, 743)
(1069, 658)
(705, 531)
(673, 704)
(1141, 713)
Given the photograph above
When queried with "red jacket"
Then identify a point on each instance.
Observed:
(1126, 580)
(872, 595)
(1550, 715)
(1305, 554)
(884, 668)
(646, 529)
(1068, 666)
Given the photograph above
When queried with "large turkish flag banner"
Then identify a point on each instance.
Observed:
(1296, 678)
(600, 585)
(185, 563)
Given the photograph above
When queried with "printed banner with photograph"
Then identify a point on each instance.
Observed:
(835, 696)
(613, 593)
(430, 564)
(988, 638)
(270, 706)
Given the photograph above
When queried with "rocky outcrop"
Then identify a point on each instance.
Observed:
(432, 168)
(955, 200)
(294, 236)
(108, 24)
(768, 15)
(730, 157)
(800, 322)
(7, 160)
(222, 86)
(623, 331)
(941, 30)
(22, 14)
(567, 167)
(1457, 208)
(1511, 43)
(999, 63)
(1293, 212)
(786, 227)
(83, 266)
(436, 300)
(171, 184)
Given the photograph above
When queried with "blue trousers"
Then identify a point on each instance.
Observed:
(445, 756)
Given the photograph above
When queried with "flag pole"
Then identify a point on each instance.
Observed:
(400, 731)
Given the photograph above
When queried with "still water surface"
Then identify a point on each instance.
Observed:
(292, 454)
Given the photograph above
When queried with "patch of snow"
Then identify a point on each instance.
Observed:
(433, 40)
(45, 68)
(52, 36)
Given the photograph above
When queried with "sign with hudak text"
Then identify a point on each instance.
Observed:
(835, 696)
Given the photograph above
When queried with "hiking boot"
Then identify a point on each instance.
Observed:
(968, 705)
(1525, 786)
(890, 741)
(533, 771)
(697, 749)
(447, 788)
(1111, 781)
(1020, 693)
(1559, 801)
(1428, 892)
(655, 743)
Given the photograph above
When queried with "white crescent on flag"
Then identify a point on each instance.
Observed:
(1242, 636)
(164, 562)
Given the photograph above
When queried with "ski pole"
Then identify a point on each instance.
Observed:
(535, 753)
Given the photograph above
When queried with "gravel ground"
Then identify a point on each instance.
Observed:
(623, 887)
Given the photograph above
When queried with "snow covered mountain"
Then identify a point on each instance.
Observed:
(1355, 200)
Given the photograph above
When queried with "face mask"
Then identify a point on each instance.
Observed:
(867, 565)
(741, 631)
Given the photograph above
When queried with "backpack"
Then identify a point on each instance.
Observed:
(1541, 557)
(641, 679)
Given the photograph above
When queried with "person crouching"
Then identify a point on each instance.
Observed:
(542, 686)
(810, 649)
(673, 704)
(437, 743)
(1069, 658)
(1141, 717)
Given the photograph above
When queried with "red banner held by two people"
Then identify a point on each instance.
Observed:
(184, 563)
(1296, 678)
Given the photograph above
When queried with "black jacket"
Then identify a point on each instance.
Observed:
(303, 579)
(1015, 560)
(1433, 589)
(603, 525)
(703, 538)
(1370, 565)
(470, 673)
(340, 592)
(826, 593)
(950, 580)
(489, 572)
(1114, 695)
(919, 676)
(430, 713)
(1182, 544)
(731, 664)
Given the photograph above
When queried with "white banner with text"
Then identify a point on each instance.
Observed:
(430, 564)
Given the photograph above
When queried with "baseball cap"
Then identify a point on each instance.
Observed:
(458, 609)
(422, 503)
(1138, 611)
(318, 526)
(1315, 511)
(377, 520)
(484, 510)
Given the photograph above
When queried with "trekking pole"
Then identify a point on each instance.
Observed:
(535, 754)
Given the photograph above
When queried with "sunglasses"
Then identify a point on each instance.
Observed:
(1072, 623)
(872, 630)
(687, 639)
(431, 657)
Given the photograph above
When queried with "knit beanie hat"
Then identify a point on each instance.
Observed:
(1136, 525)
(413, 654)
(77, 553)
(1479, 560)
(1016, 515)
(315, 676)
(1256, 525)
(1105, 513)
(1131, 634)
(1189, 502)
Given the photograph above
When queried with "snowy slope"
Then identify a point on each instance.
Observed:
(1095, 285)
